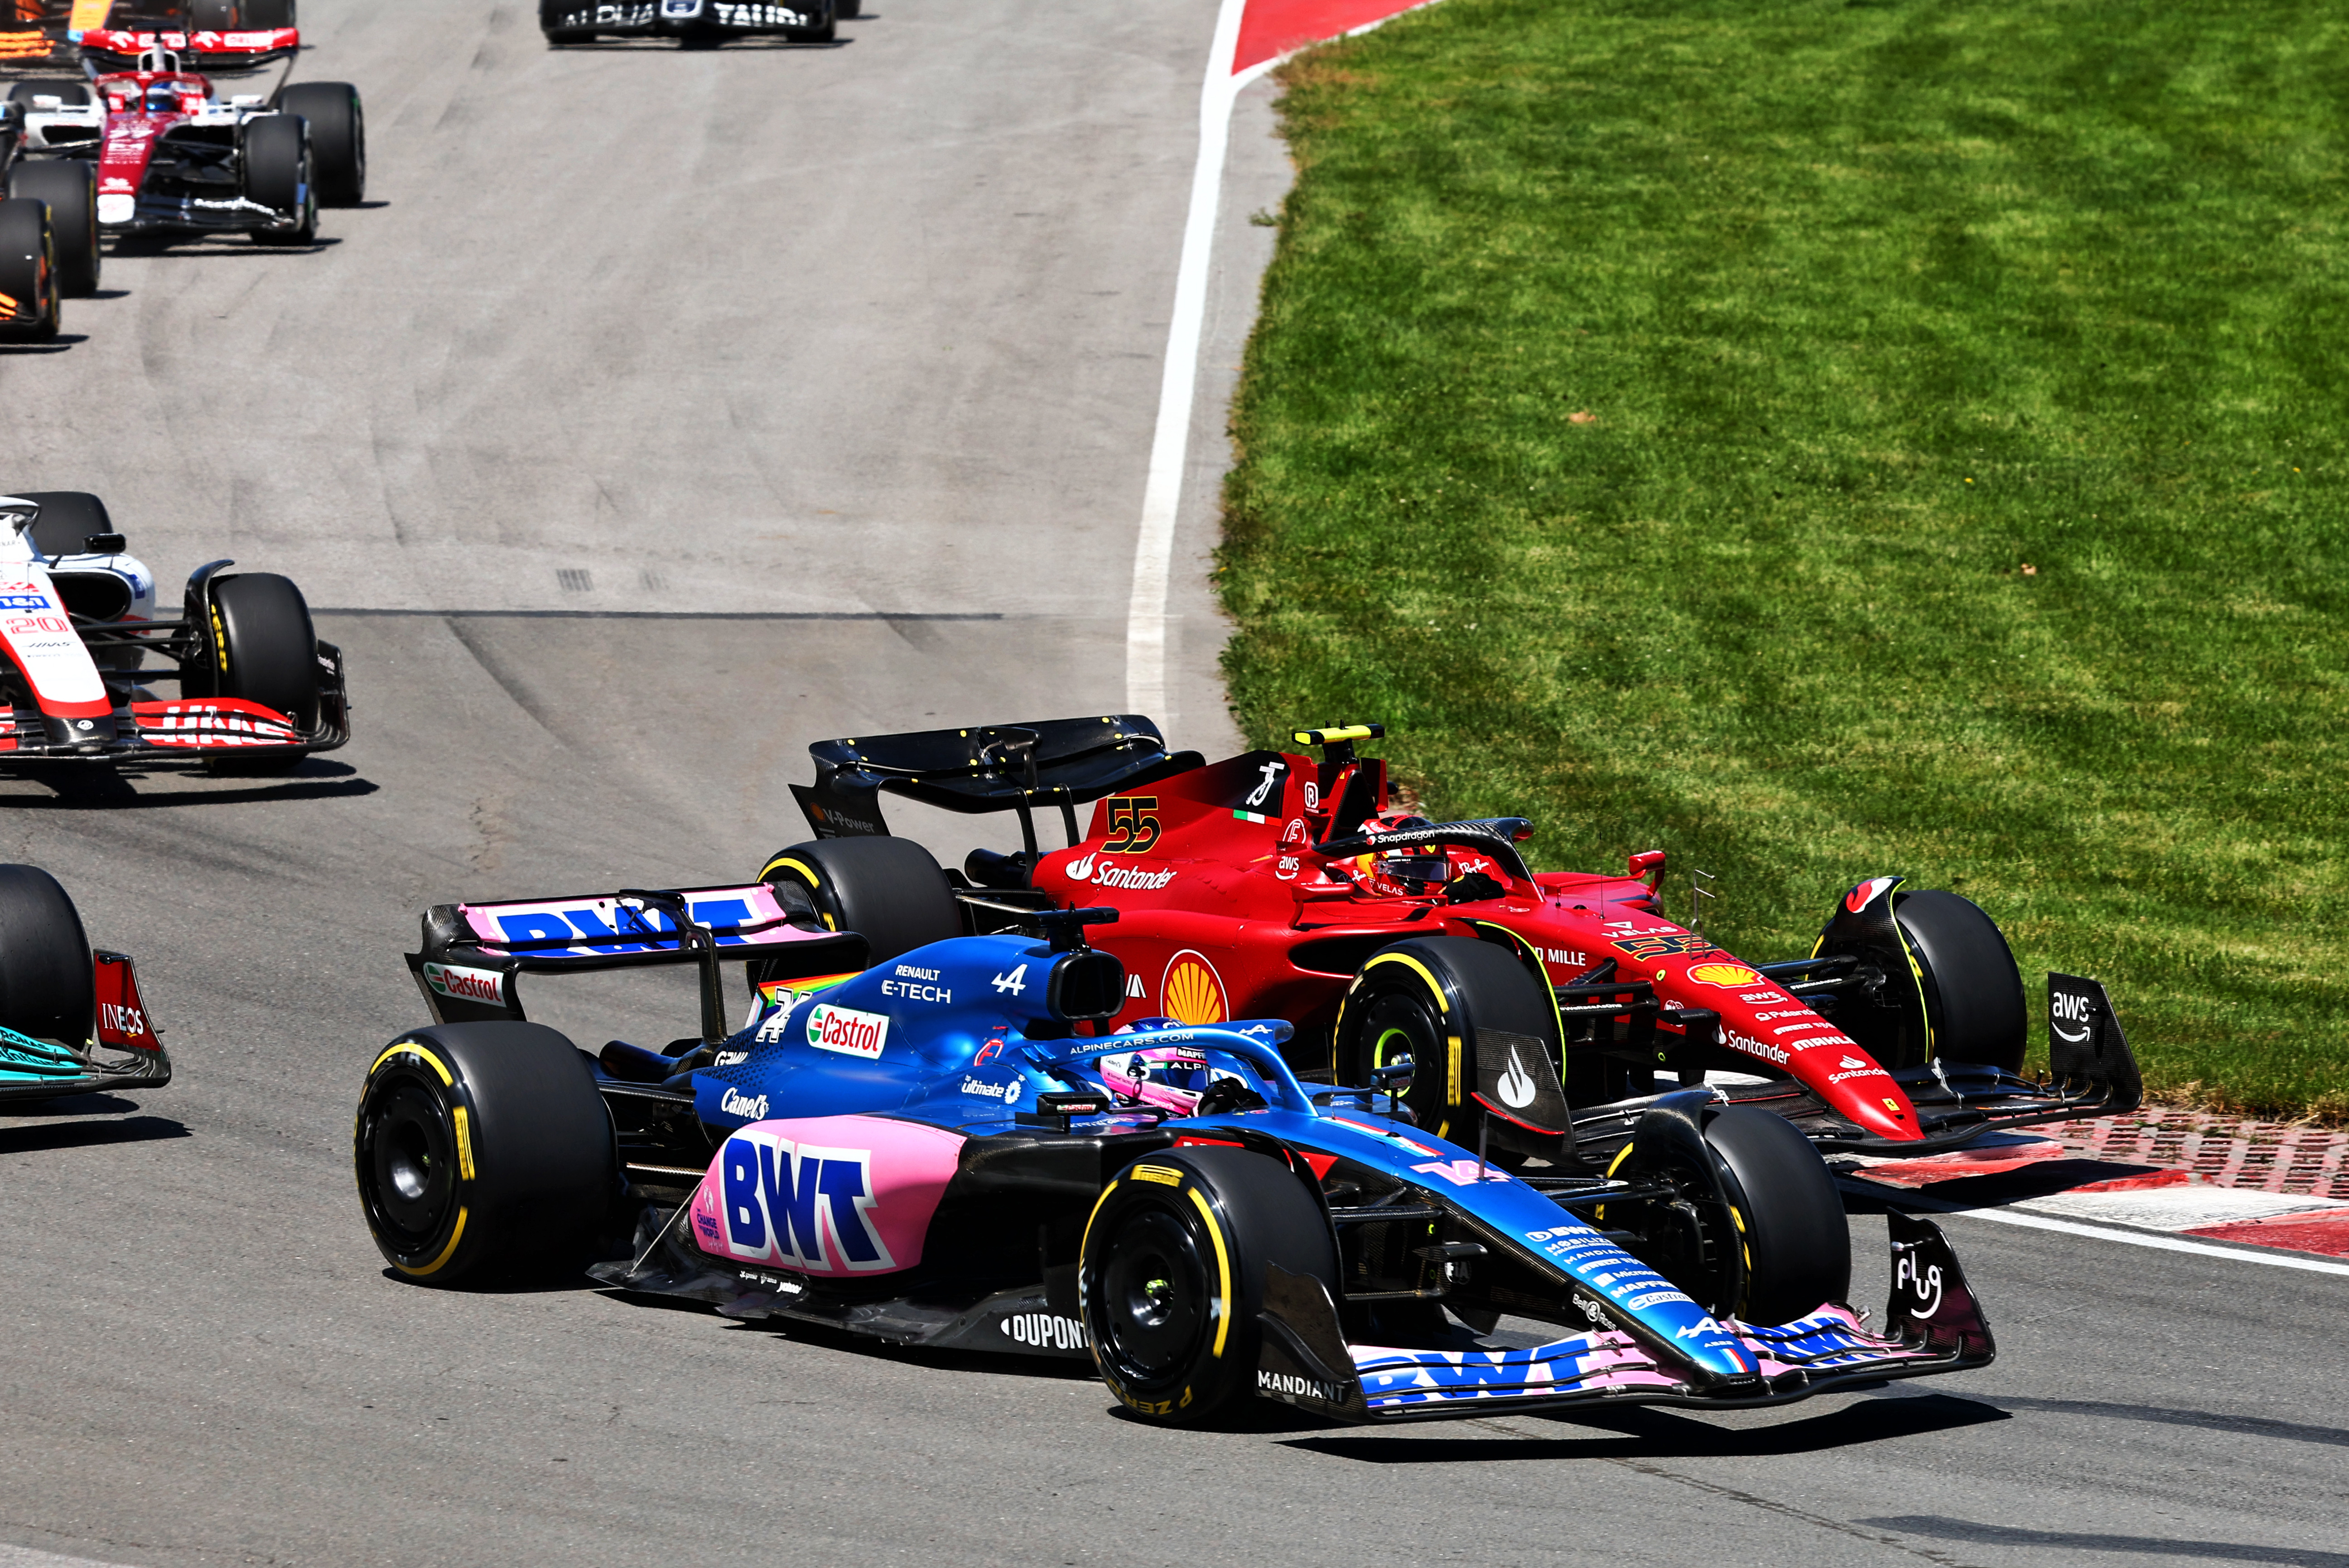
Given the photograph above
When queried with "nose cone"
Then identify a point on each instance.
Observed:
(1883, 1111)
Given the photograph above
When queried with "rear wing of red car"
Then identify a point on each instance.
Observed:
(1063, 763)
(471, 954)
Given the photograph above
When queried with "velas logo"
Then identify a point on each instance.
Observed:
(465, 984)
(1723, 974)
(1194, 991)
(1867, 893)
(847, 1031)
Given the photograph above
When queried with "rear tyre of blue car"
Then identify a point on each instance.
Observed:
(483, 1149)
(890, 891)
(1171, 1274)
(46, 989)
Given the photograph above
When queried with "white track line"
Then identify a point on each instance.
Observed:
(2072, 1228)
(1153, 547)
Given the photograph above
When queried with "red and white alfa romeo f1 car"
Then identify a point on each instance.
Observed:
(258, 691)
(170, 156)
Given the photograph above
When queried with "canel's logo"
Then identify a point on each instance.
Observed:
(796, 1203)
(735, 1103)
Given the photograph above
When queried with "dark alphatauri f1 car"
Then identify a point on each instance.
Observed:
(692, 22)
(258, 691)
(1272, 884)
(71, 1020)
(927, 1151)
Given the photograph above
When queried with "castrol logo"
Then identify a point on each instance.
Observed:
(847, 1031)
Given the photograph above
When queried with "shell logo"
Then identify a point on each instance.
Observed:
(1193, 991)
(1723, 974)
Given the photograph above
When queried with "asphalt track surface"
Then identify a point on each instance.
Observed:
(863, 332)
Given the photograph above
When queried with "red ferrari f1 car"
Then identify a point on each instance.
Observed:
(1422, 954)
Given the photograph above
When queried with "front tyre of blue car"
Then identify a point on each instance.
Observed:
(1172, 1276)
(481, 1150)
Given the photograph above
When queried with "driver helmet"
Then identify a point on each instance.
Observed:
(1409, 873)
(163, 98)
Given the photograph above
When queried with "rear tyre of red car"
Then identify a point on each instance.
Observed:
(46, 986)
(337, 138)
(1172, 1271)
(890, 891)
(483, 1149)
(28, 272)
(277, 175)
(69, 93)
(1973, 991)
(1409, 1002)
(69, 186)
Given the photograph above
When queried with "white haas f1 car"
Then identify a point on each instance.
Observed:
(692, 22)
(258, 691)
(168, 156)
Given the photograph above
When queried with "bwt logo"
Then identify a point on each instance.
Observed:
(720, 915)
(798, 1204)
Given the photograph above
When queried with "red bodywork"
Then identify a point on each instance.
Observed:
(133, 128)
(1226, 910)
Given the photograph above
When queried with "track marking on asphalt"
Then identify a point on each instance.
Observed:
(1153, 546)
(2100, 1232)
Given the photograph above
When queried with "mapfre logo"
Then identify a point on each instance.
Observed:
(847, 1031)
(798, 1204)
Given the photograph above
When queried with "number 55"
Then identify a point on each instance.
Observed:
(1131, 829)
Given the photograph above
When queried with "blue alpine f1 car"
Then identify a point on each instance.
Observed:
(940, 1150)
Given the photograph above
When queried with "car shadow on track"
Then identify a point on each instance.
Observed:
(89, 789)
(1647, 1432)
(58, 344)
(33, 1139)
(1937, 1528)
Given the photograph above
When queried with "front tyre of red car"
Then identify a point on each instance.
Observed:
(1171, 1274)
(277, 175)
(483, 1149)
(29, 271)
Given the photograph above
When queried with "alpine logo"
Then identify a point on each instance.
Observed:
(796, 1203)
(465, 985)
(846, 1031)
(1045, 1330)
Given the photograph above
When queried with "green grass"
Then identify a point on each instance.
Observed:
(1965, 496)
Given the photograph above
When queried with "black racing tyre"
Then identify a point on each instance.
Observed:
(1973, 991)
(557, 19)
(277, 175)
(1798, 1243)
(847, 10)
(483, 1148)
(69, 92)
(889, 891)
(267, 15)
(68, 519)
(29, 271)
(263, 648)
(46, 985)
(1171, 1275)
(337, 138)
(214, 15)
(69, 186)
(824, 32)
(1410, 1001)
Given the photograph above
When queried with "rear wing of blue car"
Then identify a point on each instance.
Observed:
(471, 954)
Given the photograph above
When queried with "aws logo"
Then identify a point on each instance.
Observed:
(798, 1204)
(1193, 991)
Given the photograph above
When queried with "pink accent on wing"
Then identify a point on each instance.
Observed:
(743, 915)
